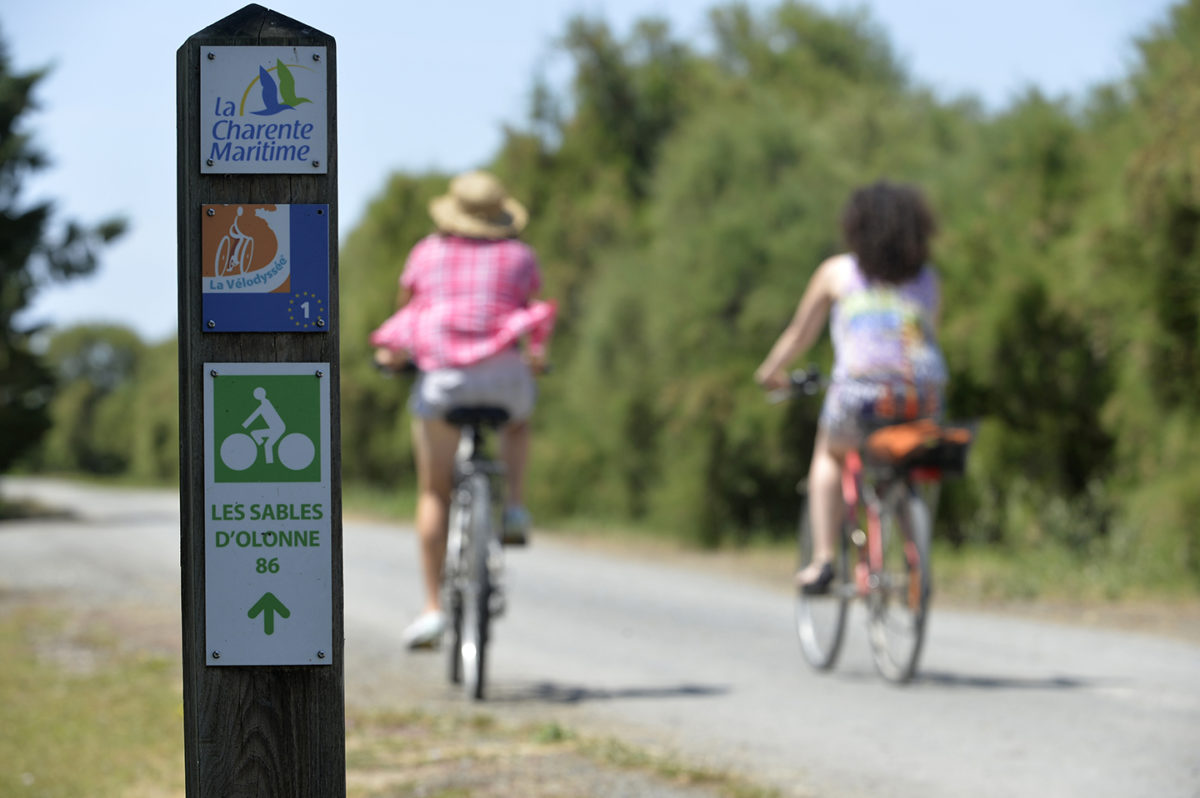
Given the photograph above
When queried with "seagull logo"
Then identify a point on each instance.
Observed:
(277, 95)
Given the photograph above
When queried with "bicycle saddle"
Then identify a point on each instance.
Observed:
(477, 416)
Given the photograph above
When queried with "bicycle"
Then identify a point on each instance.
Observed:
(882, 552)
(234, 258)
(235, 252)
(473, 571)
(475, 550)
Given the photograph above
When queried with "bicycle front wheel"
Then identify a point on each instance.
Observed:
(477, 595)
(899, 598)
(821, 619)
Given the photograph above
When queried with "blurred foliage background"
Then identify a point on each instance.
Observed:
(680, 198)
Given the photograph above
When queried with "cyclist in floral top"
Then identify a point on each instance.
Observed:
(883, 302)
(466, 303)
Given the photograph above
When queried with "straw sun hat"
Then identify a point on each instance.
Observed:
(477, 206)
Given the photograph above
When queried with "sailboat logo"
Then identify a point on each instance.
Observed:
(277, 92)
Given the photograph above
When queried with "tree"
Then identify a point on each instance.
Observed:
(679, 201)
(97, 369)
(32, 255)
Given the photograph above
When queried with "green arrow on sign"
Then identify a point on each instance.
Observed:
(268, 605)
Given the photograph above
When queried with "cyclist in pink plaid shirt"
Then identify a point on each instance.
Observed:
(466, 304)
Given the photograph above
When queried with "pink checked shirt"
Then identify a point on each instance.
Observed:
(471, 299)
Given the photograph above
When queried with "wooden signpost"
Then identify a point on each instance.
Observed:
(260, 490)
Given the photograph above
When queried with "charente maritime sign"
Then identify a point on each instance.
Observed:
(263, 110)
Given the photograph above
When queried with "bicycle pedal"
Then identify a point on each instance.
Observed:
(497, 604)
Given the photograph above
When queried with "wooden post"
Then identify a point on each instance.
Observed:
(260, 505)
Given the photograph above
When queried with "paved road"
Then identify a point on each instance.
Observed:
(706, 666)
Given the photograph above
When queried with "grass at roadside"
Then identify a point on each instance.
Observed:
(1048, 573)
(81, 717)
(88, 713)
(372, 502)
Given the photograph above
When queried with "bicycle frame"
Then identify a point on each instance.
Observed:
(852, 494)
(859, 491)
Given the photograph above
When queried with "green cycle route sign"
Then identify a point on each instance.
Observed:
(268, 564)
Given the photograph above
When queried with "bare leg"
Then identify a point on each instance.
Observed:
(434, 442)
(824, 502)
(514, 451)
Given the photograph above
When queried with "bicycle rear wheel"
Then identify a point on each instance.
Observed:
(821, 619)
(477, 593)
(898, 603)
(455, 577)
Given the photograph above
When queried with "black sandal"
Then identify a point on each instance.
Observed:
(820, 585)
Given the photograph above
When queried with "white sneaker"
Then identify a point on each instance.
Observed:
(426, 630)
(515, 527)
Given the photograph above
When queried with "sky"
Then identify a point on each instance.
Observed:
(430, 86)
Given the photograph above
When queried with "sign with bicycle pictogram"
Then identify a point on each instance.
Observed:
(265, 268)
(268, 563)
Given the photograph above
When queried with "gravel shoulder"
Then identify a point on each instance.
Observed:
(403, 748)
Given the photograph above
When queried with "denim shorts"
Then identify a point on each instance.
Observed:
(503, 380)
(852, 408)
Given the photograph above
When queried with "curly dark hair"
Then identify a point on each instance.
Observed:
(888, 226)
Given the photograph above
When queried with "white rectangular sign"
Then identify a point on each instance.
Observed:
(267, 551)
(263, 110)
